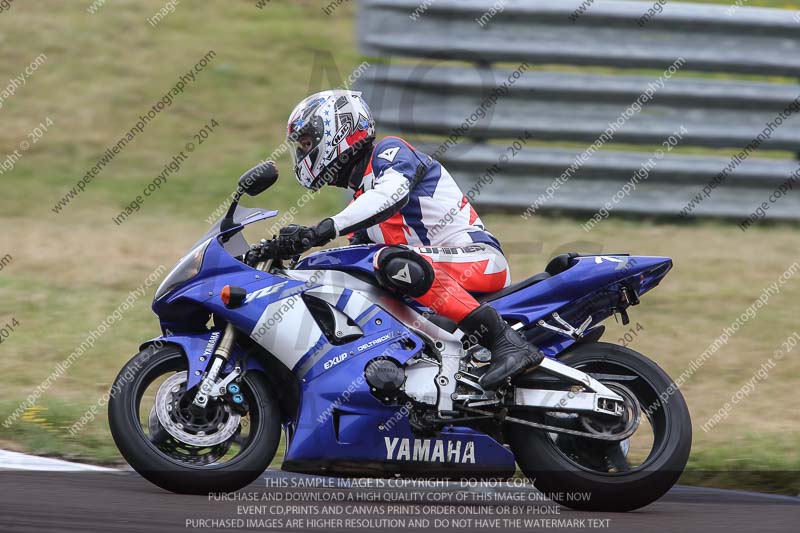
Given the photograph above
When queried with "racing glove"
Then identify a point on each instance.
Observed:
(294, 239)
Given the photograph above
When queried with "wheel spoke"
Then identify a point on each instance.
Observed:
(239, 439)
(617, 459)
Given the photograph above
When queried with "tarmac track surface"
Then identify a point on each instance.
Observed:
(122, 502)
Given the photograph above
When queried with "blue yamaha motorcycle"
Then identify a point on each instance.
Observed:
(365, 383)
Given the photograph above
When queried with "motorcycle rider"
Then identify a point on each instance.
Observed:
(437, 248)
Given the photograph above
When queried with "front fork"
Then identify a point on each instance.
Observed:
(209, 387)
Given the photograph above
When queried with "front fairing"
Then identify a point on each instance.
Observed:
(218, 260)
(275, 315)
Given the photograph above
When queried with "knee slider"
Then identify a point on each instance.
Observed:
(402, 270)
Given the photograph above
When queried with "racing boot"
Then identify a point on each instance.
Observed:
(511, 353)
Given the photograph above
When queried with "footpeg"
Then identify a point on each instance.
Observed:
(469, 380)
(482, 397)
(567, 330)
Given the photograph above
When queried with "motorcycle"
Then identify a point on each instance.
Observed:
(364, 382)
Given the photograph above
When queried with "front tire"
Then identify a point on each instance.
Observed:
(564, 468)
(169, 470)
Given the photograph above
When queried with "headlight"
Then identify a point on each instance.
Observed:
(186, 269)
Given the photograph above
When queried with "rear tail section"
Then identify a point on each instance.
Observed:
(595, 286)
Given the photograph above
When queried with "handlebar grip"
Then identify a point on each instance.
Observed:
(264, 250)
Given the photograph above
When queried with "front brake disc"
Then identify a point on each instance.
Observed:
(215, 431)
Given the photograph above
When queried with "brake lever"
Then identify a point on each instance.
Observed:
(260, 252)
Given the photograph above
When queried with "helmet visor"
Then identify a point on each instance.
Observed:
(305, 135)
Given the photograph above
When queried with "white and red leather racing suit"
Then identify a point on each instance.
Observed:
(408, 198)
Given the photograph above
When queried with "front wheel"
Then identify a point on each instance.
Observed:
(588, 474)
(175, 446)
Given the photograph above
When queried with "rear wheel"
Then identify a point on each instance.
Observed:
(588, 474)
(185, 450)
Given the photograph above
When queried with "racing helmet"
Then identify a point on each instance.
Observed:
(336, 126)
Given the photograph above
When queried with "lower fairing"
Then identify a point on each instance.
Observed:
(380, 469)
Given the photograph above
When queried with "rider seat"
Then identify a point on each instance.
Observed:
(556, 266)
(514, 287)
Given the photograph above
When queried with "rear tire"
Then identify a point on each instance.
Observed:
(582, 488)
(170, 474)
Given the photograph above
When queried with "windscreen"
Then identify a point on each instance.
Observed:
(237, 244)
